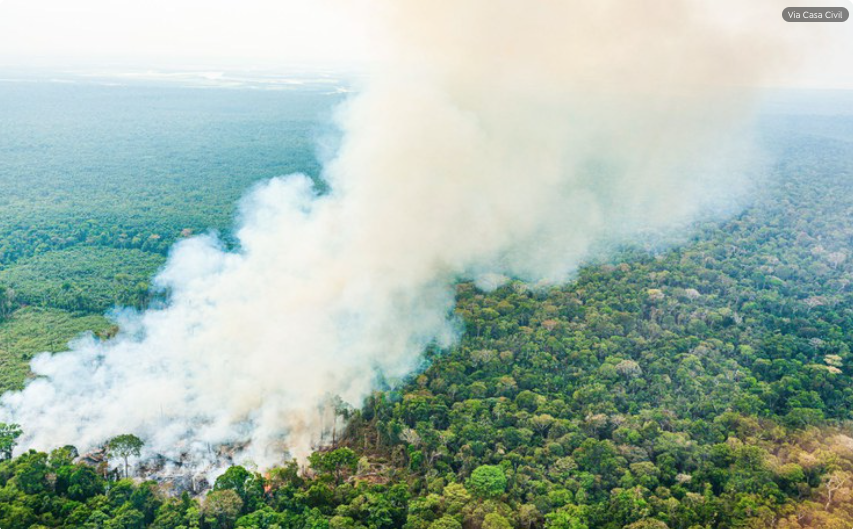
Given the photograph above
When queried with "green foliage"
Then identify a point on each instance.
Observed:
(126, 182)
(84, 226)
(125, 446)
(336, 463)
(494, 520)
(248, 486)
(83, 279)
(30, 331)
(702, 385)
(9, 434)
(446, 522)
(569, 517)
(8, 301)
(221, 508)
(487, 481)
(83, 483)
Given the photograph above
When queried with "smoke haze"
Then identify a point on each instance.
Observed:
(499, 138)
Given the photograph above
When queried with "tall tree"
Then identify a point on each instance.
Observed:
(124, 446)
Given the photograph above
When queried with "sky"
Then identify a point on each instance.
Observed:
(180, 32)
(276, 33)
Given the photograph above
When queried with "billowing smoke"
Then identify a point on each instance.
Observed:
(500, 138)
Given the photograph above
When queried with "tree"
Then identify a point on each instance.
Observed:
(455, 497)
(494, 520)
(31, 472)
(247, 485)
(446, 522)
(9, 434)
(487, 481)
(221, 508)
(63, 456)
(647, 523)
(529, 516)
(124, 446)
(84, 483)
(335, 462)
(568, 517)
(7, 302)
(127, 517)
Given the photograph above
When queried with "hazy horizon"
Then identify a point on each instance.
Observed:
(325, 34)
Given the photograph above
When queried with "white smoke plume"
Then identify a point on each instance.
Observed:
(499, 137)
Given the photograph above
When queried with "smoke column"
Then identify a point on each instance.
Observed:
(498, 138)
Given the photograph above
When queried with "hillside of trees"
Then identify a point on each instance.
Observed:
(708, 385)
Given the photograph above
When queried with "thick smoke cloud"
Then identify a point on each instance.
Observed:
(500, 138)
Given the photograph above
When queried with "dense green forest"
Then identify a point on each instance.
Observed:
(120, 174)
(707, 385)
